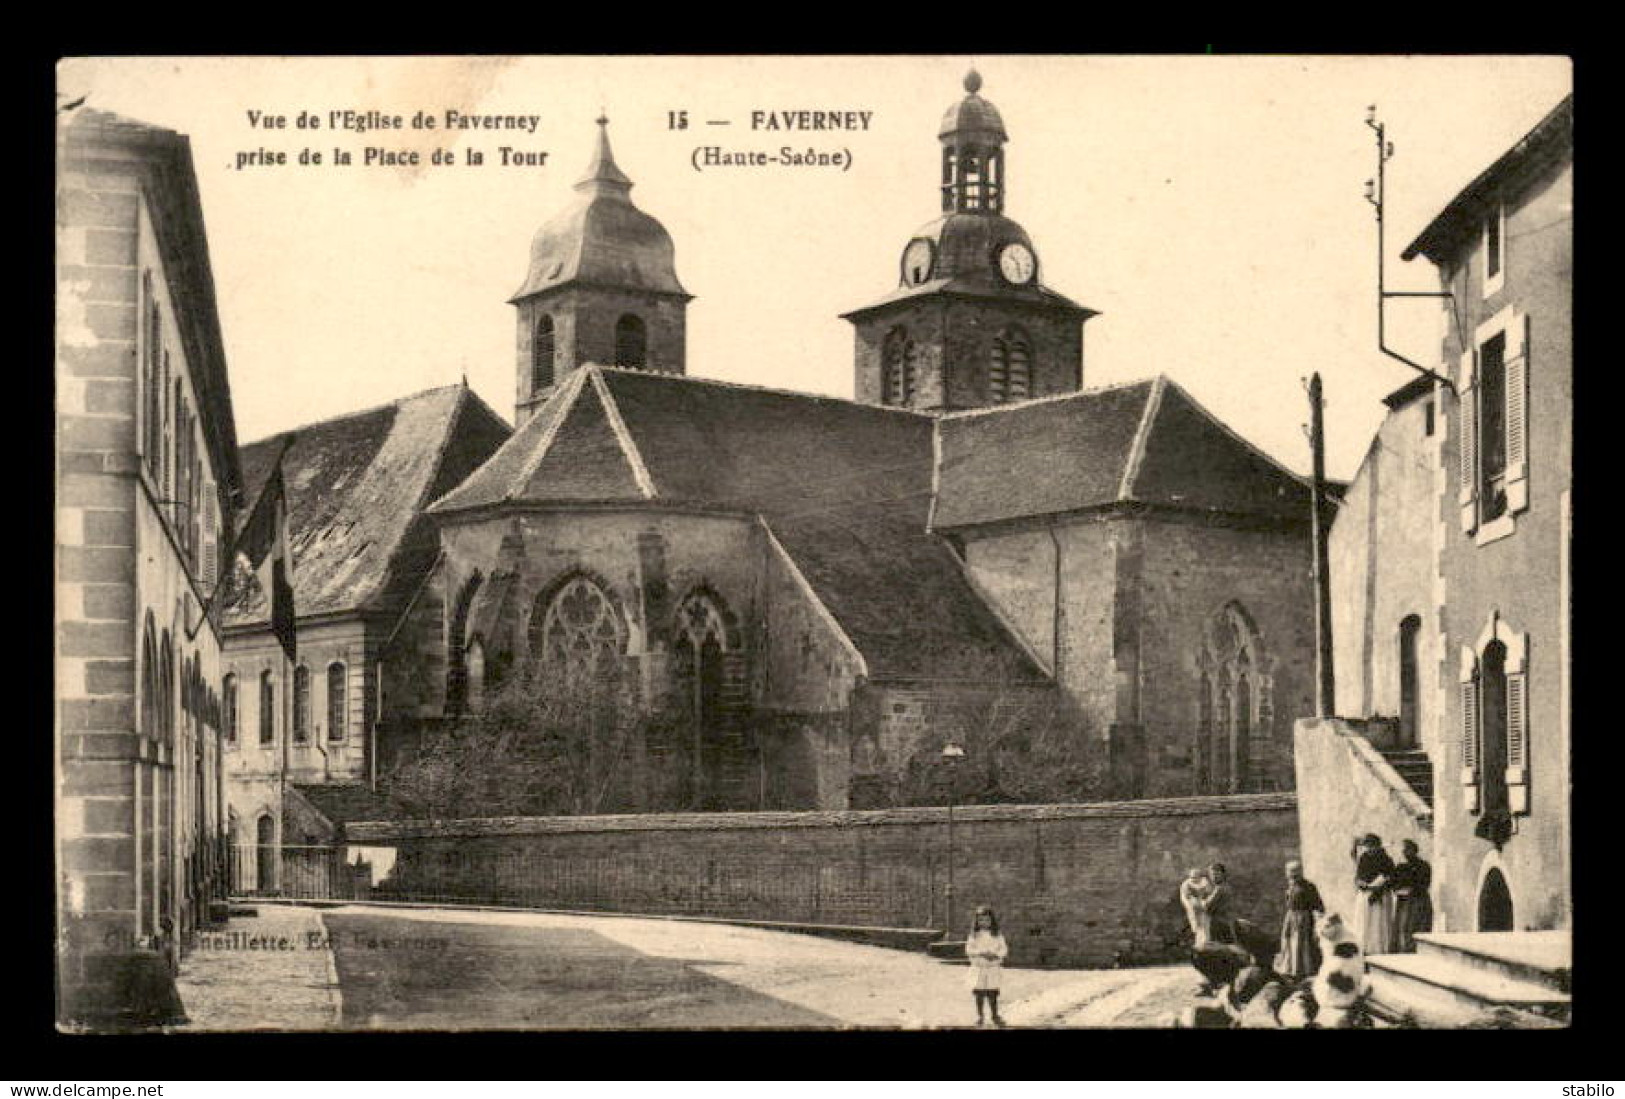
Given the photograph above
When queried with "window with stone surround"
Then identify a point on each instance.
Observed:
(1494, 249)
(1493, 451)
(338, 717)
(1493, 719)
(301, 704)
(228, 709)
(267, 709)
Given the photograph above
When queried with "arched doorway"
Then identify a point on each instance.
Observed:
(1495, 903)
(265, 854)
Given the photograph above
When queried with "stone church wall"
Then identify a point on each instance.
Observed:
(1188, 573)
(1075, 885)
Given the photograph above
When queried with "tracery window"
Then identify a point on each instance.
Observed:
(1235, 714)
(579, 631)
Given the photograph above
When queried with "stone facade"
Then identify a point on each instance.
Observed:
(146, 481)
(954, 338)
(584, 320)
(1123, 606)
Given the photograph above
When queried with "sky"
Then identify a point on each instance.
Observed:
(1210, 208)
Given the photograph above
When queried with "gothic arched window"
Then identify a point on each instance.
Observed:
(707, 677)
(631, 342)
(338, 711)
(166, 689)
(899, 363)
(1235, 712)
(579, 630)
(541, 355)
(301, 704)
(457, 645)
(1009, 370)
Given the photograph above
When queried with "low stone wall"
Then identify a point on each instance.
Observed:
(1075, 885)
(1346, 789)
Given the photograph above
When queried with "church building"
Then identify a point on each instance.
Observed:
(800, 586)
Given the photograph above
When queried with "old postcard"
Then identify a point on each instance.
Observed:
(813, 542)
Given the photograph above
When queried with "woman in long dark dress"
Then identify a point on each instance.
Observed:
(1413, 908)
(1219, 904)
(1373, 877)
(1300, 952)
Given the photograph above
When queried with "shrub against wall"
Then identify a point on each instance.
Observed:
(561, 744)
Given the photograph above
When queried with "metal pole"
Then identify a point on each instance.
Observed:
(948, 889)
(1325, 680)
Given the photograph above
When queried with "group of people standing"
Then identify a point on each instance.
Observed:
(1393, 897)
(1313, 974)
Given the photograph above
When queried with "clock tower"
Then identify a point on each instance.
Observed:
(970, 323)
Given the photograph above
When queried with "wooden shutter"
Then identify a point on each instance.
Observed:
(1517, 417)
(211, 549)
(1469, 728)
(1517, 773)
(1468, 404)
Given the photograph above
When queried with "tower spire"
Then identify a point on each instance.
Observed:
(603, 173)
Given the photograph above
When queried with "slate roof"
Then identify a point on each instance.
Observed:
(357, 486)
(844, 487)
(342, 804)
(1145, 442)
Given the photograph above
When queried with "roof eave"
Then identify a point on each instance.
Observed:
(1550, 138)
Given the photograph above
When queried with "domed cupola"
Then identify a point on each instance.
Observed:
(970, 322)
(601, 287)
(602, 237)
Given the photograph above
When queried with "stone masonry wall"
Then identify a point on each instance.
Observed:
(1076, 885)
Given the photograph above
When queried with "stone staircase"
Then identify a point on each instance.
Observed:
(1486, 979)
(1416, 769)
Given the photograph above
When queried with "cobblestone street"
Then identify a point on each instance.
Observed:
(231, 981)
(359, 967)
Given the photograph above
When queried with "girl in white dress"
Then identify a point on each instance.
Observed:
(986, 950)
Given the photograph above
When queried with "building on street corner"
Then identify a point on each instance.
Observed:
(148, 487)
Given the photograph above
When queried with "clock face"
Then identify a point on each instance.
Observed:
(917, 262)
(1016, 263)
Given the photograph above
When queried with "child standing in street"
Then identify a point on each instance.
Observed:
(986, 950)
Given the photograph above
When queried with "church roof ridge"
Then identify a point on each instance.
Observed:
(354, 414)
(777, 390)
(1053, 398)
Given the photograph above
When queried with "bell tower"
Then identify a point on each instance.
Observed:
(970, 323)
(602, 288)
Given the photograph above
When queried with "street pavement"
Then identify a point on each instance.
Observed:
(364, 968)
